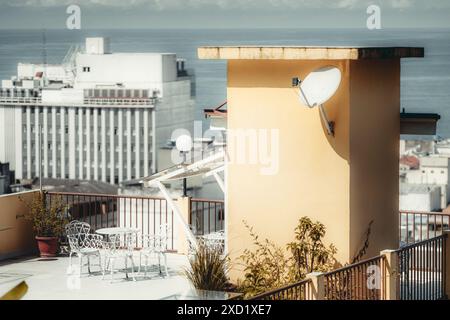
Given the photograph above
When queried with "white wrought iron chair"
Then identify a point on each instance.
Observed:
(116, 249)
(82, 243)
(85, 245)
(155, 245)
(74, 228)
(215, 240)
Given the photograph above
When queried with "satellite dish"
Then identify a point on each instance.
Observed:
(319, 86)
(184, 143)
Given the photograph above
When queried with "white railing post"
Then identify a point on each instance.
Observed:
(390, 273)
(317, 285)
(184, 203)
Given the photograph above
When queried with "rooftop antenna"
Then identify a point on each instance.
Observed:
(184, 145)
(44, 55)
(317, 88)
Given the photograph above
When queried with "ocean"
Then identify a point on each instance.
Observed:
(425, 83)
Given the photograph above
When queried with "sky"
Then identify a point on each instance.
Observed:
(208, 14)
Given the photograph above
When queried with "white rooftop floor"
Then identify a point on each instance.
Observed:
(48, 279)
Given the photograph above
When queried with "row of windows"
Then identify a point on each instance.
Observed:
(78, 111)
(432, 171)
(66, 129)
(20, 93)
(116, 93)
(85, 165)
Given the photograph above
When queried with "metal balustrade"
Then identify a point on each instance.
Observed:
(422, 270)
(419, 226)
(365, 280)
(298, 291)
(146, 214)
(207, 216)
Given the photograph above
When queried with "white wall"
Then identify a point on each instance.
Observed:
(133, 70)
(63, 96)
(54, 72)
(425, 202)
(7, 135)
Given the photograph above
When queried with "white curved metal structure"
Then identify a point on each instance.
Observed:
(319, 86)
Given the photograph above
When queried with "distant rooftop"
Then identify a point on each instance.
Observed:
(75, 186)
(307, 53)
(408, 188)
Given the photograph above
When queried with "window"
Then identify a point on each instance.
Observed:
(86, 69)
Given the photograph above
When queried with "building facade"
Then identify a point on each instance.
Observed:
(103, 115)
(434, 170)
(420, 197)
(340, 180)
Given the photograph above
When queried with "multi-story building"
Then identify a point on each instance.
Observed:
(434, 170)
(103, 115)
(419, 197)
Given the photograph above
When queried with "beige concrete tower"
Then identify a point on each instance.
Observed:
(344, 181)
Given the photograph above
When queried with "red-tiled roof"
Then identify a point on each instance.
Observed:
(410, 161)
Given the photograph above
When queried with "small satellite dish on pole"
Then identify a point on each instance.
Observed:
(317, 88)
(184, 143)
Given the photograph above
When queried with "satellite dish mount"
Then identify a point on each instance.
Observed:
(317, 88)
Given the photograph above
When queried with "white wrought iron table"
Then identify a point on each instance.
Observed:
(117, 231)
(120, 231)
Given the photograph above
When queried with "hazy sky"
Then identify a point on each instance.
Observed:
(223, 13)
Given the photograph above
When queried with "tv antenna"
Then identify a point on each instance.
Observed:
(44, 55)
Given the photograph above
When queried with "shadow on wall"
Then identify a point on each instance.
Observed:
(278, 75)
(16, 234)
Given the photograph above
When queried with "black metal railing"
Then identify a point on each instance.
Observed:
(422, 270)
(207, 216)
(419, 226)
(298, 291)
(365, 280)
(146, 214)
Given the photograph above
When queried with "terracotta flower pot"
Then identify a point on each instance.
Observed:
(48, 246)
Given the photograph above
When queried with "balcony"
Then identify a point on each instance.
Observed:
(52, 279)
(422, 253)
(87, 102)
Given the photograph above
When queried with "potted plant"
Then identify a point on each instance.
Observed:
(208, 268)
(48, 220)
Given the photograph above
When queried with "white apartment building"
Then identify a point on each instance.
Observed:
(103, 115)
(434, 170)
(419, 198)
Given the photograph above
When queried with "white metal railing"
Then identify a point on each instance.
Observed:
(118, 101)
(21, 100)
(86, 101)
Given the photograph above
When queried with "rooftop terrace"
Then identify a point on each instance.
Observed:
(48, 279)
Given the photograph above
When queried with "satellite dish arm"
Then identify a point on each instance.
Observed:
(329, 124)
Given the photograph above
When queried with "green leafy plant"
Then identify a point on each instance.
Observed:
(269, 266)
(308, 251)
(208, 268)
(47, 218)
(265, 267)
